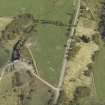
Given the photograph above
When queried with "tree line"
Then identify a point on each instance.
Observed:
(102, 20)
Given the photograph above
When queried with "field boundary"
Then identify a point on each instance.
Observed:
(61, 79)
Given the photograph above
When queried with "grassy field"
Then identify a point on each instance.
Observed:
(47, 43)
(36, 7)
(49, 51)
(99, 71)
(50, 39)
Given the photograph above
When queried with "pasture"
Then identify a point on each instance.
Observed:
(48, 42)
(99, 71)
(49, 38)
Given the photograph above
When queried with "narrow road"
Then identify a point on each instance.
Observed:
(68, 46)
(45, 82)
(32, 71)
(64, 62)
(34, 62)
(37, 73)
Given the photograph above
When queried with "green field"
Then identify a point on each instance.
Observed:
(49, 51)
(50, 39)
(99, 71)
(39, 8)
(47, 44)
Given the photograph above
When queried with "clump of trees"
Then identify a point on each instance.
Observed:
(51, 95)
(87, 73)
(85, 39)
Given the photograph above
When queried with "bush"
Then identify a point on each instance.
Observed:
(82, 91)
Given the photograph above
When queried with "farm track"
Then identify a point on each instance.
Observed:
(34, 61)
(31, 70)
(66, 51)
(61, 79)
(45, 82)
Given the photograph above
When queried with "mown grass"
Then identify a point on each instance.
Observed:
(49, 51)
(99, 71)
(50, 41)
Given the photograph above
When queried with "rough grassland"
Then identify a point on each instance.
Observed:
(8, 96)
(99, 65)
(34, 91)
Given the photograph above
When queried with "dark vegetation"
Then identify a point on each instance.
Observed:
(72, 51)
(21, 27)
(56, 23)
(102, 20)
(82, 92)
(50, 101)
(69, 25)
(87, 73)
(16, 80)
(29, 73)
(16, 51)
(14, 36)
(85, 39)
